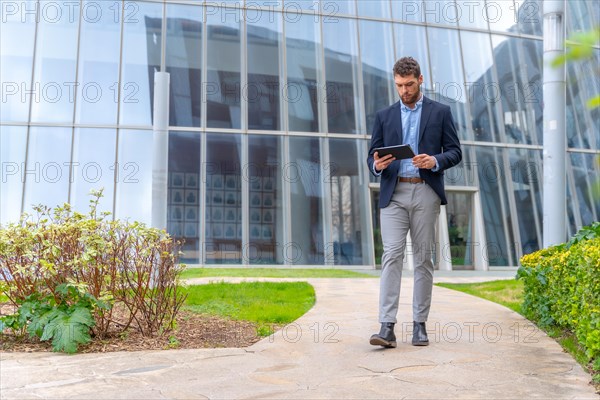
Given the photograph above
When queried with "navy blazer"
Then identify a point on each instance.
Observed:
(437, 137)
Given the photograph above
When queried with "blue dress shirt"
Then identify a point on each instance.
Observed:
(411, 120)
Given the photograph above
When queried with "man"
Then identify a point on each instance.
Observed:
(412, 191)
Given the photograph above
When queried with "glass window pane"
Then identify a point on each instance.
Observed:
(184, 63)
(141, 58)
(408, 10)
(47, 170)
(303, 46)
(263, 88)
(341, 58)
(497, 218)
(334, 8)
(526, 173)
(16, 59)
(581, 16)
(442, 12)
(519, 67)
(586, 181)
(13, 141)
(373, 8)
(447, 75)
(183, 214)
(472, 14)
(416, 48)
(346, 201)
(55, 65)
(480, 85)
(306, 201)
(223, 87)
(93, 167)
(502, 15)
(223, 199)
(295, 5)
(266, 207)
(98, 75)
(583, 125)
(529, 16)
(377, 66)
(134, 176)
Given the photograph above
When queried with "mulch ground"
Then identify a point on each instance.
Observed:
(193, 331)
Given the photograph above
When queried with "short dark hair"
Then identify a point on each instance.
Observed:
(407, 66)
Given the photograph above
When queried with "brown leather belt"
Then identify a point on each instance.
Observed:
(410, 180)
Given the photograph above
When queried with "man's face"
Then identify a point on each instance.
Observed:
(409, 88)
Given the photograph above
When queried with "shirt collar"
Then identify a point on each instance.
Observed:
(417, 105)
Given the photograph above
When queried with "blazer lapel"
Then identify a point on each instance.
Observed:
(425, 112)
(397, 121)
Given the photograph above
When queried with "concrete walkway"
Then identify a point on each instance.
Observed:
(478, 350)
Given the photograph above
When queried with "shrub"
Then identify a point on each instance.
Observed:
(129, 268)
(562, 287)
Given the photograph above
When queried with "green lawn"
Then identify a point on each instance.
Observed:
(509, 293)
(265, 303)
(272, 273)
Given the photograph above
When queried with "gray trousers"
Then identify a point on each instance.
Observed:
(415, 207)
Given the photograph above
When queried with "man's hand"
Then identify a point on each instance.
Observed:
(424, 161)
(382, 163)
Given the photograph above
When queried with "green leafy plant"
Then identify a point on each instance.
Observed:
(112, 264)
(66, 319)
(562, 288)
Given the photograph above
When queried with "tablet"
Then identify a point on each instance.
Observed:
(400, 152)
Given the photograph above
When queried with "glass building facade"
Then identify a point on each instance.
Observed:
(271, 104)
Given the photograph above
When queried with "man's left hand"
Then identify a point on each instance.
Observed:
(424, 161)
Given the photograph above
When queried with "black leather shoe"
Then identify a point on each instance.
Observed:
(385, 337)
(419, 337)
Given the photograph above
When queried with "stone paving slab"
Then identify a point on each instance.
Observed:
(478, 350)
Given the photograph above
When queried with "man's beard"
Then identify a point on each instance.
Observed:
(413, 98)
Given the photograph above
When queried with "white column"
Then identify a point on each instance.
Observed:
(160, 153)
(555, 144)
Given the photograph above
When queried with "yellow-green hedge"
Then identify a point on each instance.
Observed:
(562, 287)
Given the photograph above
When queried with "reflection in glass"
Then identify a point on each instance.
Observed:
(583, 125)
(263, 88)
(134, 176)
(16, 59)
(529, 16)
(47, 171)
(94, 153)
(459, 212)
(346, 201)
(223, 199)
(266, 213)
(223, 86)
(502, 15)
(184, 62)
(306, 201)
(377, 64)
(373, 8)
(498, 220)
(447, 75)
(184, 181)
(98, 75)
(480, 86)
(581, 16)
(302, 38)
(331, 9)
(408, 10)
(341, 58)
(141, 58)
(585, 184)
(526, 173)
(13, 140)
(55, 65)
(519, 67)
(415, 48)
